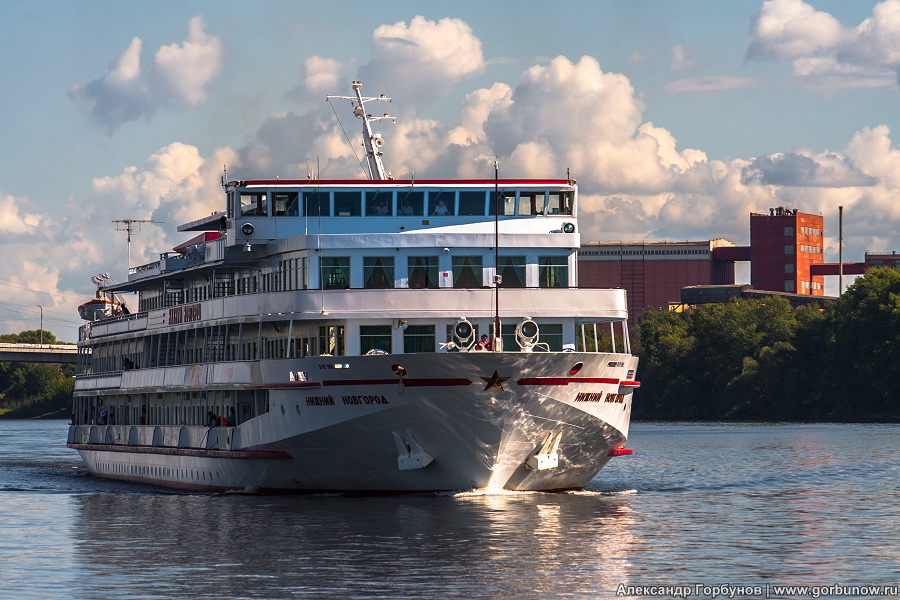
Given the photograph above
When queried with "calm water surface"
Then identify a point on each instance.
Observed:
(696, 504)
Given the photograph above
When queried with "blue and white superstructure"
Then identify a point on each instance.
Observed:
(336, 326)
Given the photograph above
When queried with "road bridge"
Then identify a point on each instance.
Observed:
(39, 353)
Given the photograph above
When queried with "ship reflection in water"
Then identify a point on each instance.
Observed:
(466, 545)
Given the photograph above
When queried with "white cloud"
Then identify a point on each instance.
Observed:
(12, 218)
(709, 83)
(440, 54)
(127, 93)
(825, 54)
(787, 29)
(322, 75)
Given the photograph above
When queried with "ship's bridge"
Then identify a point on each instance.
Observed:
(265, 210)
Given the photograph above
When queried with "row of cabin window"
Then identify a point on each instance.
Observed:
(378, 273)
(170, 408)
(436, 203)
(226, 343)
(422, 272)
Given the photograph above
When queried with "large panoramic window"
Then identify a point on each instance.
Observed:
(334, 272)
(374, 337)
(379, 204)
(512, 271)
(254, 204)
(553, 271)
(531, 203)
(378, 272)
(347, 204)
(286, 204)
(471, 203)
(316, 204)
(418, 338)
(442, 204)
(423, 272)
(560, 203)
(410, 204)
(507, 203)
(467, 272)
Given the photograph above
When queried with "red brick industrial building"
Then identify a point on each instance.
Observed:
(784, 253)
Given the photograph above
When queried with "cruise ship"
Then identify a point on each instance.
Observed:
(368, 335)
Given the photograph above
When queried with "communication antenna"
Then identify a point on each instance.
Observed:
(131, 226)
(373, 142)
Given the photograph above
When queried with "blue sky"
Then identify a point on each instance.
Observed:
(677, 118)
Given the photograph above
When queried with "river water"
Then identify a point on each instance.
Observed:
(700, 505)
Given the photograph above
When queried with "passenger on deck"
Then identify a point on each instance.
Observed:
(213, 419)
(232, 418)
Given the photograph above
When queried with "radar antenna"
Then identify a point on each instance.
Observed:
(373, 142)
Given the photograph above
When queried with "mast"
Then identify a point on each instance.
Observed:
(373, 142)
(497, 342)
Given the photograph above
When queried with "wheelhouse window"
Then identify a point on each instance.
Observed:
(316, 204)
(467, 272)
(254, 204)
(418, 338)
(378, 272)
(347, 204)
(512, 271)
(423, 272)
(286, 204)
(553, 271)
(471, 203)
(374, 337)
(507, 203)
(379, 204)
(410, 204)
(560, 203)
(334, 272)
(531, 203)
(442, 204)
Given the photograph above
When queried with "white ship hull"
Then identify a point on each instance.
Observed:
(356, 428)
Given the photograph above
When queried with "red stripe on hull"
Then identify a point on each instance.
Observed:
(564, 380)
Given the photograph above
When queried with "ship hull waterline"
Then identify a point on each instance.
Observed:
(467, 420)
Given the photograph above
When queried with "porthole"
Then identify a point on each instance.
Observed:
(575, 368)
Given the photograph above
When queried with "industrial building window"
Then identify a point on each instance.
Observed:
(788, 231)
(374, 337)
(789, 285)
(788, 248)
(788, 267)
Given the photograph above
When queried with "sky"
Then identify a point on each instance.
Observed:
(678, 119)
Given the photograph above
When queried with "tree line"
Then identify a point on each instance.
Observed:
(759, 359)
(29, 390)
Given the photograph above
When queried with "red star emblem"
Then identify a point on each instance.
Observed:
(494, 381)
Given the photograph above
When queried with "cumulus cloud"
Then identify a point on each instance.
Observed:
(825, 54)
(827, 170)
(441, 54)
(565, 115)
(179, 76)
